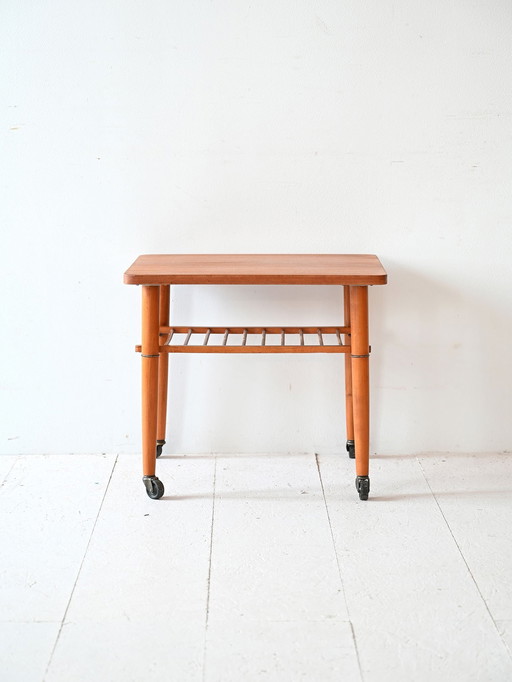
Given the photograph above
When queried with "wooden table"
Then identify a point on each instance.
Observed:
(156, 273)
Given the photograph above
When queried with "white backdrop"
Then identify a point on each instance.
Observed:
(233, 126)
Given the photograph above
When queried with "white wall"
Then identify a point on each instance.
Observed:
(134, 127)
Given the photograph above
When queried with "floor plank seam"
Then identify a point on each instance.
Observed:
(207, 616)
(508, 648)
(464, 560)
(4, 480)
(79, 570)
(317, 460)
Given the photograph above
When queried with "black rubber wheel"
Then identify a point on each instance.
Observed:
(154, 487)
(159, 450)
(351, 449)
(363, 487)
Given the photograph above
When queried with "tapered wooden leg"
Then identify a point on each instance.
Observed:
(360, 355)
(348, 378)
(163, 372)
(150, 356)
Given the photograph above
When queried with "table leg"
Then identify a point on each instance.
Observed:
(163, 372)
(349, 411)
(150, 356)
(360, 355)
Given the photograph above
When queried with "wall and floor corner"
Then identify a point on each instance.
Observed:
(380, 127)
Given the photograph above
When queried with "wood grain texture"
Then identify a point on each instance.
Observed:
(345, 269)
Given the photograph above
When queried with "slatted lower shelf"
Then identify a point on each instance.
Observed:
(197, 340)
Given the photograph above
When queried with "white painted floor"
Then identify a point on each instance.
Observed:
(256, 568)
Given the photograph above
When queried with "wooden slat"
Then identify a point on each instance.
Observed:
(168, 334)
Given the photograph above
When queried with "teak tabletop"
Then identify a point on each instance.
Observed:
(256, 269)
(156, 273)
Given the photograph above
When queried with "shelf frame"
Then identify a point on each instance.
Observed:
(166, 335)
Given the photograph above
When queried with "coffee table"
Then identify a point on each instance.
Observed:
(156, 273)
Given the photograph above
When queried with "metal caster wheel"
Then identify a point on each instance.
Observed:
(154, 487)
(351, 449)
(363, 487)
(159, 446)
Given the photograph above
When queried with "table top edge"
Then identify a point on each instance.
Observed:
(256, 269)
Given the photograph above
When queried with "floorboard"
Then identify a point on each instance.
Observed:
(256, 567)
(505, 630)
(474, 493)
(138, 610)
(275, 586)
(24, 650)
(48, 508)
(416, 611)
